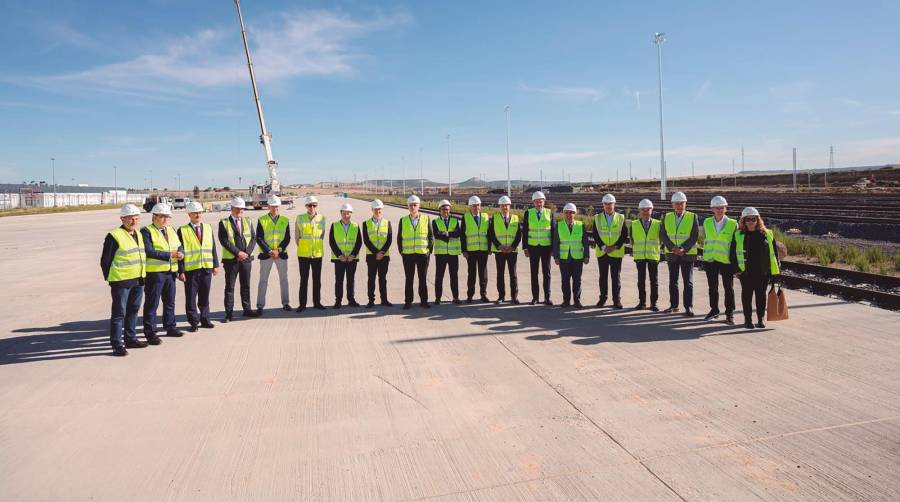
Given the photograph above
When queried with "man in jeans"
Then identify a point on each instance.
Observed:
(679, 233)
(123, 262)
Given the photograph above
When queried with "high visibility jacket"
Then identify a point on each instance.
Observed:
(197, 255)
(274, 231)
(505, 234)
(245, 229)
(377, 235)
(538, 230)
(345, 239)
(740, 252)
(609, 235)
(415, 240)
(452, 246)
(717, 245)
(166, 244)
(310, 234)
(645, 245)
(130, 260)
(680, 233)
(571, 244)
(476, 235)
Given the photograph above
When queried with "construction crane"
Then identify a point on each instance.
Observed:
(260, 193)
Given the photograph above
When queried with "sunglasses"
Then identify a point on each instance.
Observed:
(312, 205)
(750, 218)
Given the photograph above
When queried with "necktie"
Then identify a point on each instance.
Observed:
(197, 231)
(165, 235)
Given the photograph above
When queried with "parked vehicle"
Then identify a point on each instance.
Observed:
(153, 200)
(181, 202)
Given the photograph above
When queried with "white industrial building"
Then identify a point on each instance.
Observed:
(40, 195)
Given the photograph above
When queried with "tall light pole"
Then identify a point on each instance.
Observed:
(658, 39)
(508, 178)
(449, 182)
(53, 174)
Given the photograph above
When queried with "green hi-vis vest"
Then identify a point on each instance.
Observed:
(310, 233)
(609, 234)
(377, 235)
(197, 255)
(717, 245)
(505, 234)
(538, 229)
(130, 259)
(740, 252)
(452, 246)
(681, 233)
(345, 239)
(645, 245)
(476, 235)
(415, 240)
(570, 243)
(166, 244)
(245, 229)
(274, 231)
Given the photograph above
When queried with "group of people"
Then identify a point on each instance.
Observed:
(146, 263)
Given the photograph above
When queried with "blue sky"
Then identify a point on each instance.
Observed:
(360, 88)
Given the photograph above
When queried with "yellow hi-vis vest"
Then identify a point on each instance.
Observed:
(717, 245)
(161, 243)
(245, 230)
(377, 235)
(505, 234)
(476, 235)
(538, 230)
(452, 246)
(740, 252)
(645, 245)
(130, 259)
(609, 234)
(345, 240)
(310, 233)
(274, 231)
(570, 243)
(681, 233)
(197, 255)
(415, 240)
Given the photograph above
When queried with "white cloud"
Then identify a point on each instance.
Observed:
(702, 90)
(587, 93)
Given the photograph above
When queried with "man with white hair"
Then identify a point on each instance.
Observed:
(679, 233)
(415, 243)
(164, 250)
(237, 236)
(645, 251)
(273, 235)
(377, 237)
(571, 251)
(475, 248)
(200, 264)
(505, 235)
(610, 235)
(718, 233)
(538, 229)
(123, 262)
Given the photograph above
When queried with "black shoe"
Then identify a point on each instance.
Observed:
(353, 303)
(533, 301)
(227, 319)
(300, 309)
(654, 308)
(251, 313)
(748, 324)
(468, 301)
(484, 299)
(640, 306)
(259, 312)
(337, 305)
(193, 328)
(385, 303)
(370, 304)
(760, 324)
(286, 307)
(515, 301)
(713, 314)
(601, 302)
(500, 300)
(671, 310)
(407, 306)
(688, 312)
(548, 303)
(729, 319)
(425, 305)
(456, 301)
(207, 325)
(437, 302)
(120, 351)
(564, 305)
(175, 333)
(319, 306)
(135, 344)
(618, 306)
(578, 305)
(154, 340)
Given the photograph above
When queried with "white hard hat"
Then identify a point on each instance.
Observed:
(504, 200)
(310, 200)
(609, 199)
(679, 197)
(377, 204)
(538, 195)
(129, 210)
(274, 201)
(443, 203)
(570, 207)
(238, 203)
(346, 207)
(749, 211)
(413, 199)
(162, 209)
(474, 200)
(718, 201)
(645, 203)
(194, 207)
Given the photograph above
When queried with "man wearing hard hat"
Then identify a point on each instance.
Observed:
(200, 264)
(310, 227)
(238, 238)
(718, 233)
(273, 235)
(679, 233)
(123, 262)
(345, 243)
(377, 236)
(415, 243)
(538, 229)
(504, 234)
(645, 251)
(473, 236)
(163, 249)
(610, 236)
(447, 248)
(571, 252)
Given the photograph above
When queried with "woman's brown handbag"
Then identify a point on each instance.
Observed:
(776, 308)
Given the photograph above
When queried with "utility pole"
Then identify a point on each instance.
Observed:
(658, 39)
(795, 168)
(449, 176)
(542, 180)
(508, 178)
(830, 163)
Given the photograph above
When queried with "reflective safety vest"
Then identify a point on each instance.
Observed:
(452, 246)
(197, 255)
(609, 234)
(377, 235)
(741, 253)
(538, 230)
(476, 235)
(679, 234)
(570, 243)
(166, 244)
(310, 234)
(130, 260)
(505, 234)
(717, 245)
(345, 239)
(415, 240)
(274, 231)
(645, 245)
(245, 230)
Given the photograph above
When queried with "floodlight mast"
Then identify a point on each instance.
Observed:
(658, 39)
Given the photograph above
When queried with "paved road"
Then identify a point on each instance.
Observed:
(478, 402)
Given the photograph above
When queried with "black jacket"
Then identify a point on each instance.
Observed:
(239, 245)
(400, 235)
(367, 241)
(110, 246)
(595, 233)
(214, 250)
(334, 246)
(264, 247)
(525, 230)
(688, 244)
(152, 253)
(492, 235)
(756, 249)
(584, 242)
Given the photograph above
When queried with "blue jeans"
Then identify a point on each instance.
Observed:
(159, 285)
(686, 266)
(126, 303)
